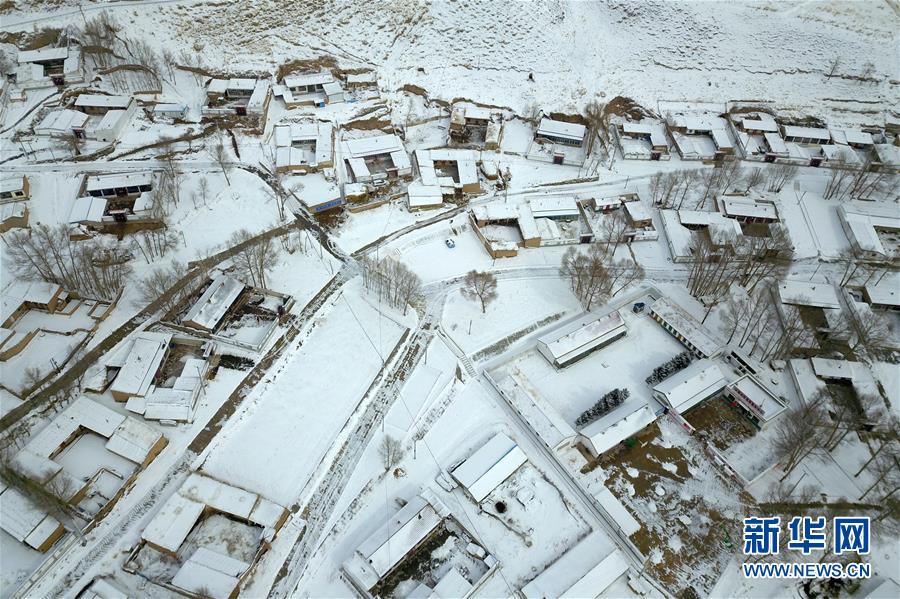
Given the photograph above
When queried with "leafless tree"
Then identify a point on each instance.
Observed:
(753, 177)
(480, 286)
(760, 258)
(613, 228)
(255, 258)
(886, 470)
(391, 452)
(220, 156)
(841, 180)
(392, 281)
(797, 434)
(587, 274)
(158, 284)
(871, 331)
(833, 66)
(595, 114)
(780, 174)
(622, 273)
(155, 243)
(203, 189)
(734, 312)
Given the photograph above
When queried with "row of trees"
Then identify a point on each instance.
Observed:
(392, 281)
(667, 369)
(610, 400)
(696, 188)
(93, 268)
(594, 276)
(849, 180)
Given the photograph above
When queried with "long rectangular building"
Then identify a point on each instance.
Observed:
(576, 340)
(685, 328)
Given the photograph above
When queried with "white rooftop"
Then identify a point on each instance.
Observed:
(212, 305)
(686, 325)
(489, 466)
(804, 293)
(686, 388)
(373, 146)
(561, 129)
(102, 101)
(141, 364)
(580, 336)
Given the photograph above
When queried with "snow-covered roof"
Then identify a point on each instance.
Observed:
(43, 54)
(258, 97)
(814, 133)
(885, 292)
(578, 570)
(101, 588)
(211, 573)
(637, 211)
(757, 397)
(686, 326)
(118, 180)
(12, 210)
(619, 424)
(400, 534)
(304, 79)
(61, 121)
(88, 209)
(242, 84)
(850, 135)
(422, 196)
(141, 364)
(554, 206)
(23, 520)
(81, 413)
(776, 143)
(580, 337)
(10, 184)
(111, 120)
(679, 237)
(686, 388)
(549, 127)
(102, 101)
(489, 466)
(748, 207)
(133, 440)
(219, 496)
(211, 307)
(373, 146)
(888, 154)
(172, 523)
(169, 108)
(759, 122)
(367, 77)
(804, 293)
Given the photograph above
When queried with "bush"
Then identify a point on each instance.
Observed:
(664, 371)
(606, 403)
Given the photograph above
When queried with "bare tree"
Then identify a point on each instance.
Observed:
(481, 286)
(798, 433)
(833, 66)
(587, 274)
(255, 258)
(391, 452)
(886, 470)
(595, 114)
(871, 331)
(392, 281)
(613, 227)
(622, 273)
(734, 313)
(780, 174)
(203, 189)
(158, 284)
(220, 156)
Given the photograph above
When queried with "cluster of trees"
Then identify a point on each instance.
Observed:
(667, 369)
(255, 257)
(92, 268)
(480, 286)
(606, 403)
(595, 276)
(696, 188)
(392, 281)
(859, 180)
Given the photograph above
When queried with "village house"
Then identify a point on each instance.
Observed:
(450, 172)
(115, 199)
(474, 124)
(14, 189)
(242, 97)
(700, 137)
(576, 340)
(758, 136)
(134, 372)
(685, 328)
(24, 520)
(504, 228)
(184, 532)
(118, 185)
(751, 207)
(169, 110)
(64, 123)
(303, 148)
(489, 466)
(687, 388)
(585, 570)
(420, 197)
(883, 293)
(756, 400)
(886, 158)
(306, 89)
(864, 222)
(559, 142)
(376, 159)
(641, 140)
(49, 66)
(638, 215)
(100, 104)
(13, 215)
(89, 456)
(814, 376)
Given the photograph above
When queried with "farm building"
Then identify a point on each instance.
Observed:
(638, 215)
(49, 66)
(559, 142)
(474, 124)
(585, 570)
(307, 89)
(862, 222)
(208, 312)
(504, 228)
(63, 123)
(138, 369)
(14, 189)
(374, 159)
(13, 215)
(100, 104)
(237, 96)
(118, 185)
(169, 110)
(26, 522)
(626, 420)
(760, 404)
(454, 172)
(642, 140)
(97, 212)
(748, 208)
(685, 328)
(886, 157)
(303, 148)
(689, 387)
(701, 137)
(110, 127)
(489, 466)
(805, 135)
(423, 197)
(386, 548)
(576, 340)
(804, 293)
(758, 136)
(556, 208)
